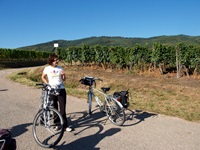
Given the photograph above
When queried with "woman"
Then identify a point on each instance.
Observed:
(55, 76)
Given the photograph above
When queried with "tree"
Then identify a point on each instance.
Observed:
(181, 58)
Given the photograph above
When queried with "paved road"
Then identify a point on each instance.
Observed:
(141, 131)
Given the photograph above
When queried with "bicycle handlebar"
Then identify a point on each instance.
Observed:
(38, 84)
(89, 81)
(42, 84)
(47, 87)
(98, 79)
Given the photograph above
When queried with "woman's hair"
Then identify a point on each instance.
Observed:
(51, 58)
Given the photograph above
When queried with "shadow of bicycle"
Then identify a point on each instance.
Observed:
(20, 129)
(133, 117)
(137, 116)
(82, 122)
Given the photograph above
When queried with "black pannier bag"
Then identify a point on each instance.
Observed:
(122, 97)
(10, 143)
(87, 81)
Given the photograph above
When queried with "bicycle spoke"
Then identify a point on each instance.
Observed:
(115, 113)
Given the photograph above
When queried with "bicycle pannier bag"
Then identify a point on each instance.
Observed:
(122, 97)
(87, 81)
(10, 143)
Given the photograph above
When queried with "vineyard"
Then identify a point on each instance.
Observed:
(12, 58)
(13, 54)
(181, 59)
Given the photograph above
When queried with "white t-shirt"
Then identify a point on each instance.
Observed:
(54, 76)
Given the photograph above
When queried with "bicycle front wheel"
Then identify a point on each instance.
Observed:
(115, 112)
(48, 127)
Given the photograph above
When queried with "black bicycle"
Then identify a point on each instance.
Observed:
(48, 124)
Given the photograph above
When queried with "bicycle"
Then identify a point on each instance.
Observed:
(2, 143)
(113, 108)
(48, 124)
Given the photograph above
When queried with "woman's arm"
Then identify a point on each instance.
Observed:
(44, 79)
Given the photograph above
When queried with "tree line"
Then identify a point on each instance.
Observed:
(16, 54)
(182, 59)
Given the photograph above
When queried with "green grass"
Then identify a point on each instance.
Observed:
(168, 96)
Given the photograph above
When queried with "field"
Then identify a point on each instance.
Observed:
(168, 95)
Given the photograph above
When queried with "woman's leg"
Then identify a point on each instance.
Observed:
(54, 99)
(62, 105)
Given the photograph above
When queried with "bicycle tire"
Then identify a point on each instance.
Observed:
(115, 112)
(44, 125)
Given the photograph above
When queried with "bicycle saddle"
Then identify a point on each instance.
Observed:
(105, 89)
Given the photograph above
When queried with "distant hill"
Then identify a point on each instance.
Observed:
(116, 41)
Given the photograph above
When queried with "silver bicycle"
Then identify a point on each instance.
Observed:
(106, 103)
(48, 124)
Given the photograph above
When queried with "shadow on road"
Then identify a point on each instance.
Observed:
(20, 129)
(137, 116)
(89, 142)
(132, 118)
(84, 121)
(3, 90)
(81, 119)
(98, 119)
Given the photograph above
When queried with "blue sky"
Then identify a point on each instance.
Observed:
(30, 22)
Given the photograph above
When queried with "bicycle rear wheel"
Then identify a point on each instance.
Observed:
(115, 112)
(48, 127)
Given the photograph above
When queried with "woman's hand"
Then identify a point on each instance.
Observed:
(62, 73)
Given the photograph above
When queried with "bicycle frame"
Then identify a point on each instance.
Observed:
(3, 143)
(106, 97)
(111, 106)
(45, 104)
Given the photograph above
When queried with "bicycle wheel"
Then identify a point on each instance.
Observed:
(89, 103)
(48, 127)
(115, 112)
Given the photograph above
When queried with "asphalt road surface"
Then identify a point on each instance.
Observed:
(141, 131)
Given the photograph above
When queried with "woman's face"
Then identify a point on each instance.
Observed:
(55, 62)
